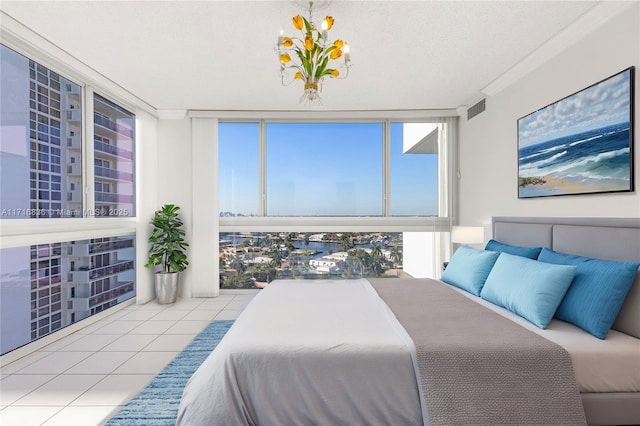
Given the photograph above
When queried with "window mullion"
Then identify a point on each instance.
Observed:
(88, 177)
(262, 168)
(386, 169)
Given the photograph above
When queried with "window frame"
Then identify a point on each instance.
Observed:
(26, 232)
(384, 223)
(33, 231)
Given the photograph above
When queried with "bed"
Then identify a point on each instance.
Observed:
(420, 351)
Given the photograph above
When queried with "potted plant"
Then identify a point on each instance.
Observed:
(168, 251)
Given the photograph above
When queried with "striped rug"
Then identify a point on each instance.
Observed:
(157, 404)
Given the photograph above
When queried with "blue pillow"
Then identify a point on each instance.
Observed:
(597, 293)
(530, 252)
(468, 268)
(528, 288)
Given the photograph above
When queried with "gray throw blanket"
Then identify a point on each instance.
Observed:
(477, 367)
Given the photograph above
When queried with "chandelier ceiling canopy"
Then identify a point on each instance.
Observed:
(311, 55)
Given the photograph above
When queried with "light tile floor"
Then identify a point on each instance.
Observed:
(86, 377)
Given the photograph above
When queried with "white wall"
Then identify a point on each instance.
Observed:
(147, 199)
(204, 249)
(174, 179)
(488, 142)
(187, 170)
(419, 255)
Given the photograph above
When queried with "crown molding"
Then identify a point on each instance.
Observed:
(172, 114)
(422, 114)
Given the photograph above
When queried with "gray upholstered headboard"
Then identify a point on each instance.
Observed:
(603, 238)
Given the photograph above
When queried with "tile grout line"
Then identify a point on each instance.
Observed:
(228, 306)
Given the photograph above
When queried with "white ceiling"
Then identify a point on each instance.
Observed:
(220, 55)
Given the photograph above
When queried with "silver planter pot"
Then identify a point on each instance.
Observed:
(166, 287)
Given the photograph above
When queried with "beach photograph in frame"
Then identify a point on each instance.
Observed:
(581, 144)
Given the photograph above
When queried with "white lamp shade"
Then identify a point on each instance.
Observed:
(467, 234)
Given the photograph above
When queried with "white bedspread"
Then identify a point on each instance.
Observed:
(256, 376)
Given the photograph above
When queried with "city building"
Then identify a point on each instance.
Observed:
(69, 280)
(114, 161)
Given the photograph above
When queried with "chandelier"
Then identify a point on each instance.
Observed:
(311, 56)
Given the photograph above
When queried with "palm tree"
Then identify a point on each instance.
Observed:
(275, 255)
(396, 257)
(329, 236)
(288, 241)
(346, 242)
(352, 267)
(377, 259)
(360, 256)
(238, 265)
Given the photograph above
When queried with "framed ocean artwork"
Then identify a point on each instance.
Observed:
(581, 144)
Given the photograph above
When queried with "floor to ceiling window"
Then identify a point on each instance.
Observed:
(48, 278)
(41, 133)
(320, 199)
(324, 169)
(415, 170)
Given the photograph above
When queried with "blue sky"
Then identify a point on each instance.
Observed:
(323, 169)
(600, 105)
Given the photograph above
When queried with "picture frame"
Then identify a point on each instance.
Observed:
(580, 144)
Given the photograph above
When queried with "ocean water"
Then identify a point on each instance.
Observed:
(319, 248)
(597, 158)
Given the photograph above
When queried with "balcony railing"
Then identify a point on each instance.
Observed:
(87, 249)
(85, 274)
(113, 150)
(104, 247)
(74, 169)
(108, 124)
(79, 304)
(110, 197)
(74, 142)
(311, 268)
(122, 288)
(113, 174)
(82, 291)
(74, 196)
(74, 115)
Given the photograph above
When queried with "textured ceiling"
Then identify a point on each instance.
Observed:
(221, 54)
